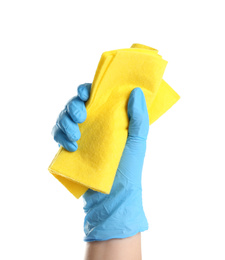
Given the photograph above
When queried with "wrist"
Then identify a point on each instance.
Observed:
(119, 249)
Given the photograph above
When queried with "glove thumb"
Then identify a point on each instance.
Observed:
(132, 159)
(137, 115)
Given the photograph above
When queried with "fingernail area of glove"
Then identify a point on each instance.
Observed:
(83, 93)
(74, 146)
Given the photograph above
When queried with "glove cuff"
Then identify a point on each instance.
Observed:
(118, 217)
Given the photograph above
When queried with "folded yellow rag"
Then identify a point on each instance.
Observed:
(104, 132)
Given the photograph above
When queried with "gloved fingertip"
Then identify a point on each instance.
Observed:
(137, 104)
(73, 147)
(84, 91)
(138, 114)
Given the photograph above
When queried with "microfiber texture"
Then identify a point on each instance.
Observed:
(104, 132)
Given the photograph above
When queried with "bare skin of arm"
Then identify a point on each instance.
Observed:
(115, 249)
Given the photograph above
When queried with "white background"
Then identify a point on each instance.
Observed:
(48, 48)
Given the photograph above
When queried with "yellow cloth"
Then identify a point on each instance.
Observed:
(104, 132)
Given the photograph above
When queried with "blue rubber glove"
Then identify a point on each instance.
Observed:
(119, 214)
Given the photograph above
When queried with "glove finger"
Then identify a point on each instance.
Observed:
(62, 139)
(76, 109)
(137, 114)
(68, 126)
(84, 91)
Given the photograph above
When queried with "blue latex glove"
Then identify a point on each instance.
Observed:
(119, 214)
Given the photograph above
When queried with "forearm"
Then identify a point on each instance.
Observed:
(115, 249)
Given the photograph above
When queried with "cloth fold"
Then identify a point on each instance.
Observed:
(104, 132)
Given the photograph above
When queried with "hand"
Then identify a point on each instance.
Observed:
(66, 130)
(119, 214)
